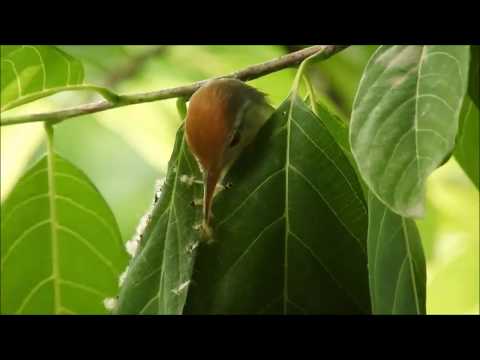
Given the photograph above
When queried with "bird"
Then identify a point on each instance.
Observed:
(223, 118)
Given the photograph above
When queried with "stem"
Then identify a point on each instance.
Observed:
(321, 52)
(311, 94)
(104, 92)
(53, 217)
(182, 107)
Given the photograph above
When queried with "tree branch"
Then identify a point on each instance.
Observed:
(249, 73)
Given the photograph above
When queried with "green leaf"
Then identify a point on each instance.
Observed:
(60, 244)
(385, 250)
(335, 124)
(467, 145)
(276, 203)
(290, 232)
(158, 276)
(396, 262)
(405, 119)
(30, 72)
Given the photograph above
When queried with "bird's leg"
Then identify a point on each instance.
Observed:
(206, 232)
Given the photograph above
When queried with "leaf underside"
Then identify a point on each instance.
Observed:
(396, 262)
(60, 244)
(405, 119)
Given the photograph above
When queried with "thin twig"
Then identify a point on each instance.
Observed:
(249, 73)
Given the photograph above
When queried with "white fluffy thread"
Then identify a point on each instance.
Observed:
(123, 275)
(110, 303)
(181, 287)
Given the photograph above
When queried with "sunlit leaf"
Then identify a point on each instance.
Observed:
(467, 150)
(61, 250)
(30, 72)
(405, 119)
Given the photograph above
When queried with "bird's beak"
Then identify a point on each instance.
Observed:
(210, 180)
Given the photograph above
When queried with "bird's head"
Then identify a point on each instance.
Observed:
(223, 118)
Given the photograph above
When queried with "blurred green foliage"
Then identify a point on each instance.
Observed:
(125, 150)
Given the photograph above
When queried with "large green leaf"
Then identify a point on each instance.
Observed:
(60, 244)
(336, 125)
(393, 290)
(30, 72)
(396, 262)
(290, 233)
(158, 276)
(405, 119)
(467, 147)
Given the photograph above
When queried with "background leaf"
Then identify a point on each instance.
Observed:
(30, 72)
(396, 262)
(61, 247)
(158, 276)
(467, 147)
(338, 77)
(405, 119)
(290, 233)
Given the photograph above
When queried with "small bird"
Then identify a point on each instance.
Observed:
(223, 118)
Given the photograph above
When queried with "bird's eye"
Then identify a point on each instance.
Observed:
(235, 139)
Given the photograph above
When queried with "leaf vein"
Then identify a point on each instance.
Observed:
(331, 161)
(335, 280)
(312, 186)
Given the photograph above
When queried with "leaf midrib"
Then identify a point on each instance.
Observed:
(415, 123)
(167, 228)
(411, 267)
(54, 220)
(287, 221)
